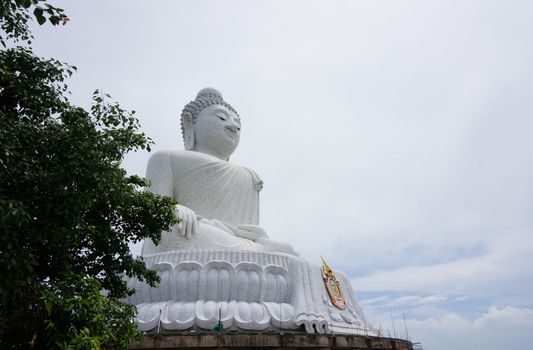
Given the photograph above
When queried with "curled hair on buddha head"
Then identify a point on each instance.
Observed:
(205, 98)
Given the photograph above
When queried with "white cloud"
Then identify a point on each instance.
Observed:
(497, 328)
(394, 137)
(419, 300)
(508, 263)
(405, 300)
(508, 315)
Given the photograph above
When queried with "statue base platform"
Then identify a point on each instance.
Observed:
(244, 291)
(269, 341)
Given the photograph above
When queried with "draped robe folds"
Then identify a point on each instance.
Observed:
(224, 196)
(230, 271)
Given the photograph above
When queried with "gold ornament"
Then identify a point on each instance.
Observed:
(332, 286)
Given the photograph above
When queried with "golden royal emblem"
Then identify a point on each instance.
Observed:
(332, 286)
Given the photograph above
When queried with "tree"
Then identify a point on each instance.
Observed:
(14, 17)
(67, 209)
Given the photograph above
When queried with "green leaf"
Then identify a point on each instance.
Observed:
(38, 12)
(54, 19)
(48, 306)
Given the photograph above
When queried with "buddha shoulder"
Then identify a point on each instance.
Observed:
(165, 157)
(178, 163)
(182, 160)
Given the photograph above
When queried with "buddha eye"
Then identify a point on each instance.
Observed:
(221, 117)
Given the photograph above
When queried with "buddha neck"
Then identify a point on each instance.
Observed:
(211, 152)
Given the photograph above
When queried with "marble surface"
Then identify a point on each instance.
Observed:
(252, 291)
(219, 203)
(218, 200)
(219, 261)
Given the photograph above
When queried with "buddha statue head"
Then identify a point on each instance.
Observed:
(210, 125)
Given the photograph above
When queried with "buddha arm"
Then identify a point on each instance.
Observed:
(159, 172)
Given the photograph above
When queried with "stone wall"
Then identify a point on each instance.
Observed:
(270, 341)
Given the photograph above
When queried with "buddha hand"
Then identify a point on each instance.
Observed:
(188, 224)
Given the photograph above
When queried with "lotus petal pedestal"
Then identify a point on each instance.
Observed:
(243, 290)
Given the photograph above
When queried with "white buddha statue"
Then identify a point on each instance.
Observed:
(218, 265)
(218, 201)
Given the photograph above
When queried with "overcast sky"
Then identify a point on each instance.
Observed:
(394, 137)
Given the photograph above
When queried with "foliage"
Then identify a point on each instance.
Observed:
(15, 15)
(78, 316)
(68, 211)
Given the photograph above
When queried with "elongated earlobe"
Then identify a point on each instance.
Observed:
(188, 131)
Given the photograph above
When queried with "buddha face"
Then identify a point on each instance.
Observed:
(217, 131)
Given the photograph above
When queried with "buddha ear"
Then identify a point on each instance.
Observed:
(187, 123)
